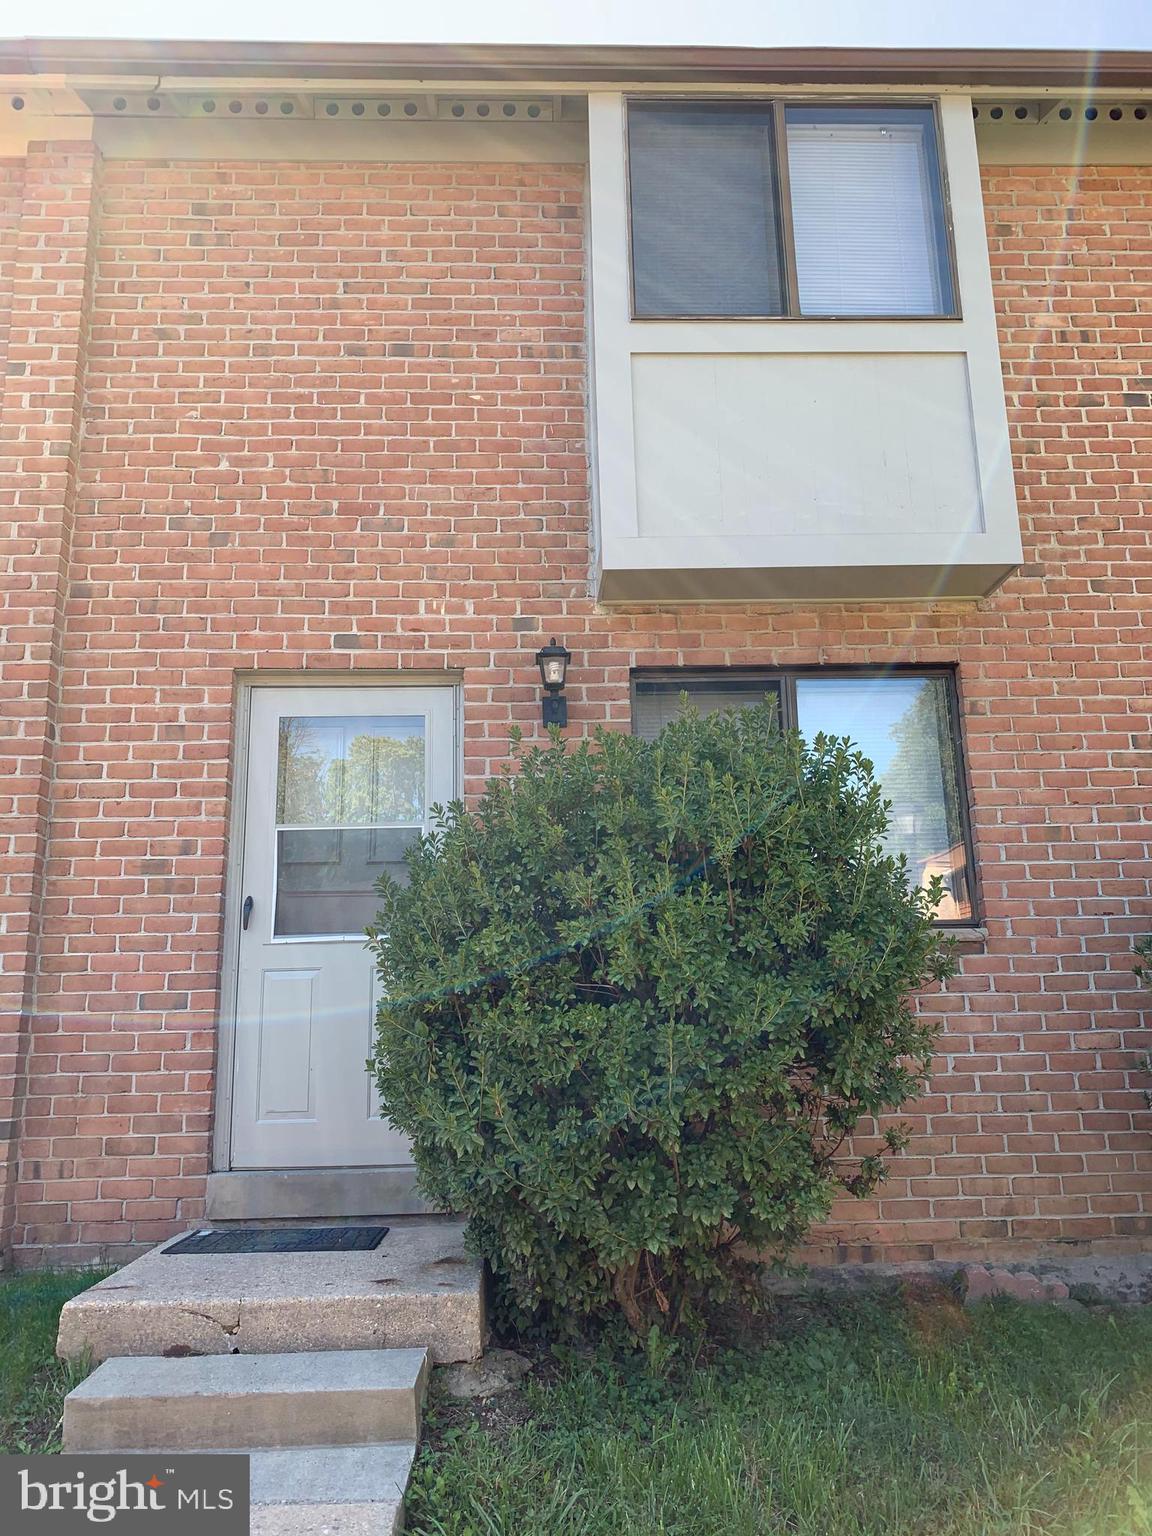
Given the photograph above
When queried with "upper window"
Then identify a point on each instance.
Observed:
(904, 722)
(753, 209)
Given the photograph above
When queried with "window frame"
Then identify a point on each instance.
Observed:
(785, 678)
(790, 283)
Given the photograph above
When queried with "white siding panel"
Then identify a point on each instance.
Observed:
(787, 445)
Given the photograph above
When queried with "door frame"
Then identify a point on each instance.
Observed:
(229, 980)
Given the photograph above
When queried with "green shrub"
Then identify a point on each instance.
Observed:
(638, 999)
(1142, 949)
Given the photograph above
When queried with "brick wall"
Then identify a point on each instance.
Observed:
(334, 419)
(11, 197)
(14, 959)
(49, 278)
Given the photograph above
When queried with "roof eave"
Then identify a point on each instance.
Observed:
(447, 62)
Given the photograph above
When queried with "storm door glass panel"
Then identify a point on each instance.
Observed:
(349, 800)
(904, 726)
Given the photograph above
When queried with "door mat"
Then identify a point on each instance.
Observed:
(282, 1240)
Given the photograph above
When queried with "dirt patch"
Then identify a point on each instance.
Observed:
(935, 1314)
(496, 1417)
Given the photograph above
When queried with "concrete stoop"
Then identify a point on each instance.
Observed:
(315, 1365)
(419, 1289)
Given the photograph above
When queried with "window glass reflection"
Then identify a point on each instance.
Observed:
(350, 771)
(902, 725)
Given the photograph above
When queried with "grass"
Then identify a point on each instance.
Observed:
(33, 1383)
(854, 1419)
(844, 1418)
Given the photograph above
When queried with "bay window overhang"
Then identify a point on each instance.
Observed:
(796, 376)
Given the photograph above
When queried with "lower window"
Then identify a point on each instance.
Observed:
(905, 722)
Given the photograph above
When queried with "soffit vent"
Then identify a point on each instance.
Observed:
(1010, 112)
(271, 106)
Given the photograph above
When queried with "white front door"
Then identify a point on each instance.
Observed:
(340, 781)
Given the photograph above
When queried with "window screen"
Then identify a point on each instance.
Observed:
(705, 222)
(902, 722)
(657, 703)
(866, 211)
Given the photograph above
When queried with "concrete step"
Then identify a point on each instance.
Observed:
(355, 1490)
(419, 1289)
(332, 1398)
(346, 1490)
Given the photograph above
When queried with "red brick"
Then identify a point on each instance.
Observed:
(286, 443)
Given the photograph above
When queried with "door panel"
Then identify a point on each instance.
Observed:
(287, 999)
(340, 782)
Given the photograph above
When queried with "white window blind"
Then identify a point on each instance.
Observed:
(864, 217)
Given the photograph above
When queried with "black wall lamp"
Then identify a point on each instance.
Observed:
(553, 662)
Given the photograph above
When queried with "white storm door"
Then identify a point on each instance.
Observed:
(340, 781)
